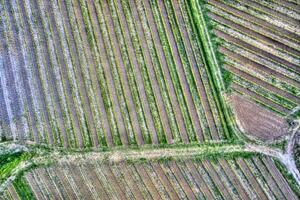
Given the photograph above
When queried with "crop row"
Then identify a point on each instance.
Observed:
(284, 102)
(255, 177)
(81, 73)
(260, 52)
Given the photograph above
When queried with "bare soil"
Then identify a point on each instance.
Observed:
(256, 121)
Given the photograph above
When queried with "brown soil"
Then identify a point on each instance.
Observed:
(78, 74)
(150, 66)
(183, 183)
(261, 83)
(164, 65)
(282, 183)
(269, 179)
(179, 68)
(132, 53)
(147, 181)
(192, 53)
(256, 121)
(215, 177)
(233, 179)
(199, 180)
(110, 77)
(251, 178)
(256, 66)
(245, 91)
(270, 11)
(164, 180)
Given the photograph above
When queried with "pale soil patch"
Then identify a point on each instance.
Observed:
(256, 121)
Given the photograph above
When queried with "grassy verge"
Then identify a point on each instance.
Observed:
(23, 189)
(10, 161)
(212, 61)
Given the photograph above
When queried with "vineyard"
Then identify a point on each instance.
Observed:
(149, 99)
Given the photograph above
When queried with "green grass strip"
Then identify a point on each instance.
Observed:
(23, 189)
(212, 64)
(8, 162)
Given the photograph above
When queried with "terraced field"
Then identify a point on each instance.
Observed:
(253, 178)
(105, 73)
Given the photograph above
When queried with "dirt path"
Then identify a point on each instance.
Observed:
(122, 154)
(286, 157)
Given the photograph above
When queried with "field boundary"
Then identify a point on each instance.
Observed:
(213, 69)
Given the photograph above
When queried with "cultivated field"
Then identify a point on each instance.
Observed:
(148, 99)
(253, 178)
(261, 42)
(258, 122)
(82, 73)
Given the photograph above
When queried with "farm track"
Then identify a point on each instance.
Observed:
(104, 74)
(158, 180)
(73, 177)
(260, 48)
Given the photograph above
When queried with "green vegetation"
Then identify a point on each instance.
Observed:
(280, 145)
(289, 177)
(212, 64)
(23, 189)
(10, 161)
(296, 115)
(227, 78)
